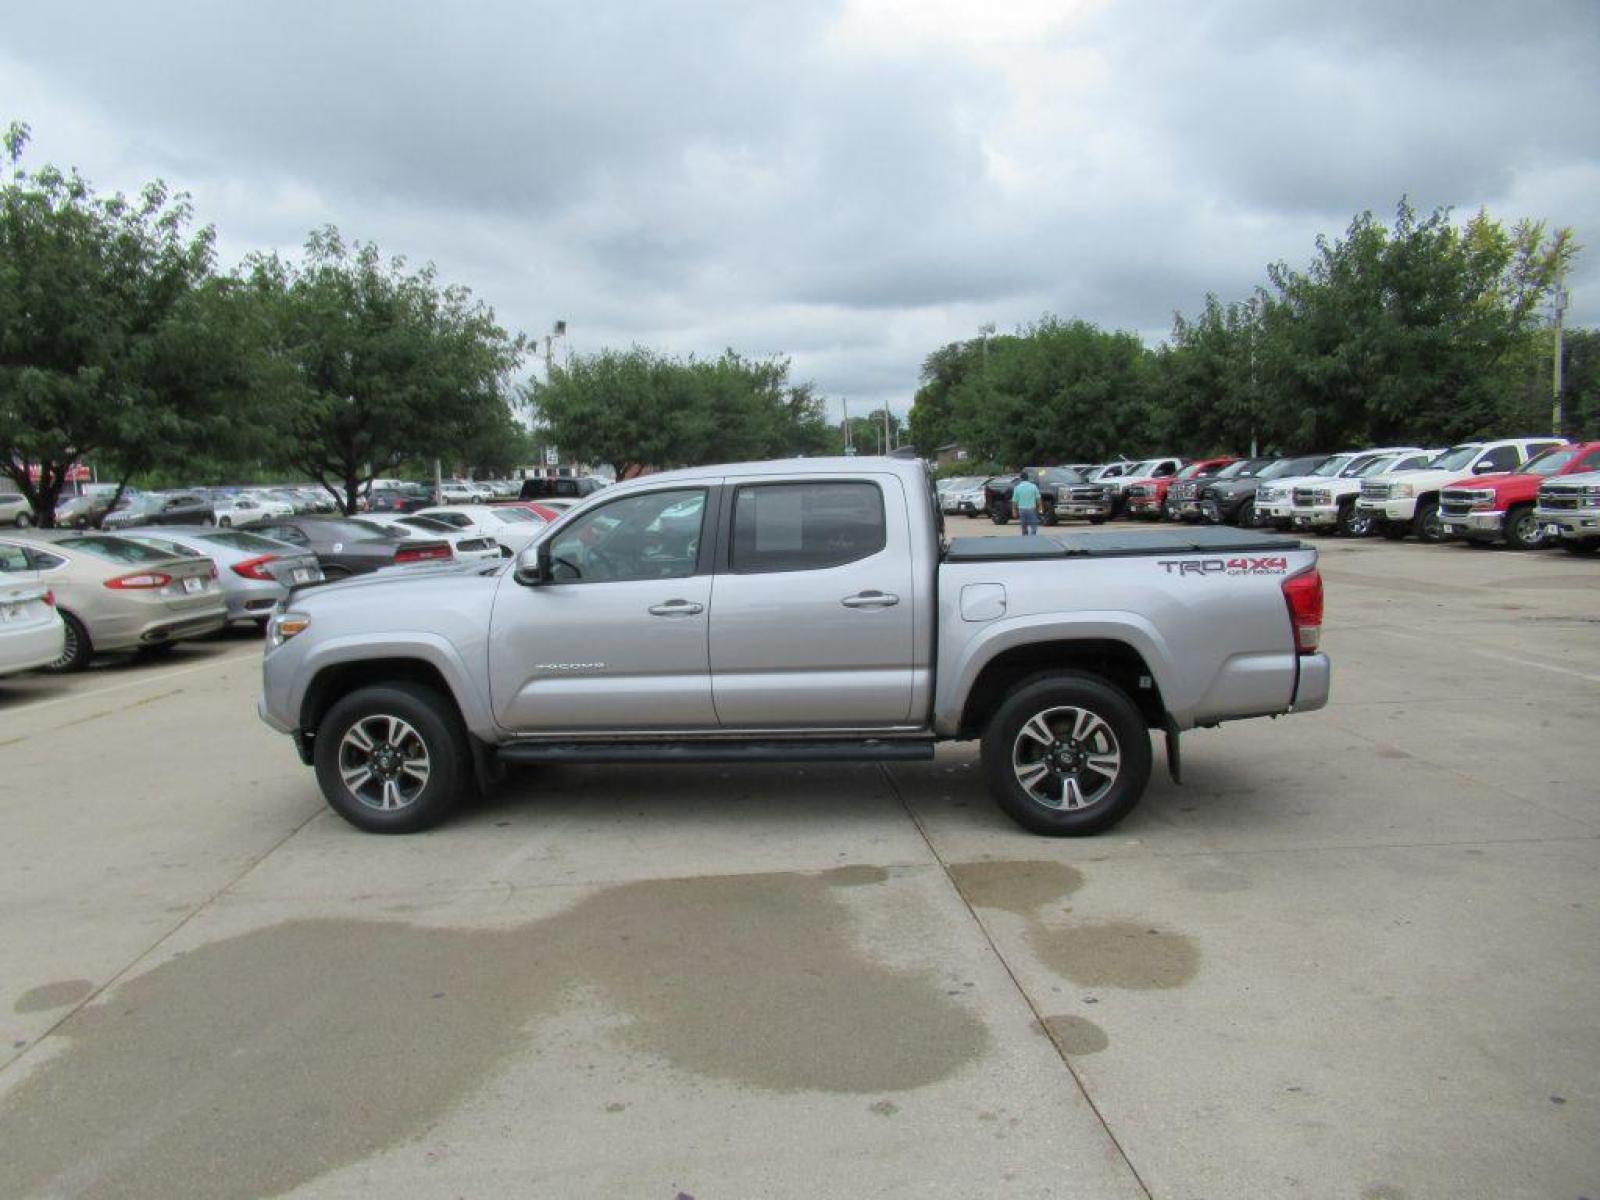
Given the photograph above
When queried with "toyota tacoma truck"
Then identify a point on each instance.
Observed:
(807, 610)
(1492, 508)
(1405, 503)
(1569, 508)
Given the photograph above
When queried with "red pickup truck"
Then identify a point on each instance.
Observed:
(1489, 508)
(1148, 497)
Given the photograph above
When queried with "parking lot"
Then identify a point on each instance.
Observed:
(1356, 954)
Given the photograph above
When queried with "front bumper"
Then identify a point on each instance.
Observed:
(1388, 510)
(1473, 524)
(1276, 510)
(1578, 524)
(1315, 516)
(1079, 508)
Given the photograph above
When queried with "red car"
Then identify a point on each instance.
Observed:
(1149, 498)
(1492, 508)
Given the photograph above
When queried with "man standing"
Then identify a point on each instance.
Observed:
(1025, 506)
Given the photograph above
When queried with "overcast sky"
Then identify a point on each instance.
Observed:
(850, 184)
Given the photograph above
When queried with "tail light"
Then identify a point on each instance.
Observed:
(255, 568)
(1303, 594)
(426, 552)
(139, 582)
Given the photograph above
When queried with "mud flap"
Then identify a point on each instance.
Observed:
(1174, 754)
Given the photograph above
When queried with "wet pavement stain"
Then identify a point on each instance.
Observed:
(1123, 954)
(855, 876)
(53, 995)
(1023, 888)
(250, 1065)
(1075, 1035)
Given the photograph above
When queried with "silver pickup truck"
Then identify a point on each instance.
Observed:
(794, 611)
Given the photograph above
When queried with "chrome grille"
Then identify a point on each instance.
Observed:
(1374, 491)
(1305, 497)
(1561, 499)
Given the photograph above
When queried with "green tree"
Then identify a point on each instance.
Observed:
(1422, 330)
(98, 327)
(637, 408)
(382, 365)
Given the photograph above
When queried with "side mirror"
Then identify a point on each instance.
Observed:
(533, 566)
(1483, 468)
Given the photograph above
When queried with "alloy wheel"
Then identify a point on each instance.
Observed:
(384, 762)
(1066, 758)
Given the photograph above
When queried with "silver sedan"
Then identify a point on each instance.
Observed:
(255, 572)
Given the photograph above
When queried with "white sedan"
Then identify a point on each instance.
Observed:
(243, 508)
(31, 631)
(512, 527)
(467, 546)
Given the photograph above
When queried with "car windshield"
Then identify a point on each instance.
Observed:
(428, 524)
(1334, 466)
(1456, 458)
(1551, 461)
(170, 549)
(1245, 466)
(250, 543)
(116, 549)
(1378, 465)
(350, 530)
(1059, 475)
(1287, 468)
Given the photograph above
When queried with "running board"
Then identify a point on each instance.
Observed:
(709, 751)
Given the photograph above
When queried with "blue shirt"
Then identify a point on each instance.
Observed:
(1025, 496)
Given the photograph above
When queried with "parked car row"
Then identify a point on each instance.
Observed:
(1525, 492)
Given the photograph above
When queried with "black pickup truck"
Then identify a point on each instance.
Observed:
(1050, 480)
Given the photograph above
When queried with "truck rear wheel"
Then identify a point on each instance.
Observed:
(1067, 755)
(392, 758)
(999, 512)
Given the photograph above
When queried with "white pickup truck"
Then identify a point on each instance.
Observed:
(794, 611)
(1407, 502)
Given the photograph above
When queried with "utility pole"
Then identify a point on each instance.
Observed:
(888, 438)
(848, 447)
(1561, 312)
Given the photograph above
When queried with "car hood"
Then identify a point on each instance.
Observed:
(1505, 480)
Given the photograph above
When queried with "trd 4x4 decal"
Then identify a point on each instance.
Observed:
(1271, 565)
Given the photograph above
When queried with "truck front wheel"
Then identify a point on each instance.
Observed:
(1523, 529)
(999, 512)
(1067, 755)
(392, 758)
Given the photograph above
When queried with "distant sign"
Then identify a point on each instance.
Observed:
(552, 456)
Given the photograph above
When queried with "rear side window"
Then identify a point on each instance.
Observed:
(806, 526)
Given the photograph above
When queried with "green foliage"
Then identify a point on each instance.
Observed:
(375, 365)
(637, 408)
(103, 340)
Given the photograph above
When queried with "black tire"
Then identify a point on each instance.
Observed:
(1049, 517)
(225, 522)
(1039, 699)
(429, 720)
(1394, 531)
(1097, 520)
(77, 649)
(1582, 549)
(1245, 516)
(999, 512)
(1426, 524)
(1523, 530)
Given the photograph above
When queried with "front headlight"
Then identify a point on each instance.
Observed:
(284, 626)
(1403, 491)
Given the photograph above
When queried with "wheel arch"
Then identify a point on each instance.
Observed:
(1116, 661)
(337, 680)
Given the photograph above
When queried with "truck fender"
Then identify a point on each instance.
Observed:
(428, 648)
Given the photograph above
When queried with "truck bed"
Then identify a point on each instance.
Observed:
(1130, 543)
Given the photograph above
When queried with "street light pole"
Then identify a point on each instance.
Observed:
(1561, 312)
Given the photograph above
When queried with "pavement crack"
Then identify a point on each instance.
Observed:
(994, 948)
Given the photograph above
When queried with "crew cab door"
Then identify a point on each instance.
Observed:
(812, 609)
(616, 639)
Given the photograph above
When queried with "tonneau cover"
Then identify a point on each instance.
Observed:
(1117, 544)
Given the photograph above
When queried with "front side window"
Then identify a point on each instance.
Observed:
(806, 526)
(1502, 459)
(655, 535)
(1550, 461)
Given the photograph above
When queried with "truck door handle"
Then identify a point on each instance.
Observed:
(676, 608)
(871, 599)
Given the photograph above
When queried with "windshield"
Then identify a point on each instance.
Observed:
(428, 524)
(1059, 475)
(1456, 458)
(1378, 465)
(116, 549)
(1550, 461)
(1334, 466)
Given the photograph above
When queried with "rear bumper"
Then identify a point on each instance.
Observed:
(30, 648)
(1316, 681)
(156, 633)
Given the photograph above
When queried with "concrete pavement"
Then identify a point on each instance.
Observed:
(1356, 955)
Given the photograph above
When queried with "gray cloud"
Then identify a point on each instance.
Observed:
(852, 190)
